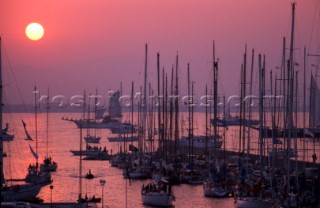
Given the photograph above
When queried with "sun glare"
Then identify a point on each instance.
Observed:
(34, 31)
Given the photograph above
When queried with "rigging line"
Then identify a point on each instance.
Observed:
(14, 78)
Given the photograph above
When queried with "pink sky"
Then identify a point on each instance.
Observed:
(99, 43)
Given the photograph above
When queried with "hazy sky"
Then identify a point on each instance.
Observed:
(91, 44)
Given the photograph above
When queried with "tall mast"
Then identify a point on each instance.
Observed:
(47, 130)
(243, 101)
(36, 122)
(145, 103)
(171, 110)
(159, 101)
(132, 126)
(189, 115)
(206, 132)
(290, 110)
(304, 108)
(215, 100)
(80, 160)
(261, 93)
(1, 133)
(176, 134)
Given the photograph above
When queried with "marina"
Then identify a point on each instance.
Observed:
(156, 141)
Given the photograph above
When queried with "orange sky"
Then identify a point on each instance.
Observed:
(99, 43)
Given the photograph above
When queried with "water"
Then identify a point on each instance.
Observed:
(64, 136)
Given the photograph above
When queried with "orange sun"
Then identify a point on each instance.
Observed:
(34, 31)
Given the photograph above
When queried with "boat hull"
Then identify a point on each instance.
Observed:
(253, 203)
(20, 192)
(157, 199)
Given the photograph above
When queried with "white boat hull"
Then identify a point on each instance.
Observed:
(253, 203)
(157, 199)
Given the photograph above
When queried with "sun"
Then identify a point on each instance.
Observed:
(34, 31)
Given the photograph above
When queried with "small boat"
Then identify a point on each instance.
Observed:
(92, 139)
(157, 194)
(229, 120)
(283, 153)
(48, 165)
(253, 202)
(124, 128)
(102, 155)
(89, 151)
(136, 173)
(212, 189)
(202, 141)
(37, 176)
(93, 199)
(89, 175)
(15, 204)
(121, 139)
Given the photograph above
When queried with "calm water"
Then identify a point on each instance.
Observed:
(64, 136)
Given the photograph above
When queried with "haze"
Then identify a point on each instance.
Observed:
(97, 44)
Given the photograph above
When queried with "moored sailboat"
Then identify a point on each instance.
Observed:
(12, 192)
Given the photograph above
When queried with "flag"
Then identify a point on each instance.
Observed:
(33, 152)
(24, 124)
(25, 130)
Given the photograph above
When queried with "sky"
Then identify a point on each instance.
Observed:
(98, 44)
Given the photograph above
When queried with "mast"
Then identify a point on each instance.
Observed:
(171, 111)
(176, 133)
(243, 101)
(145, 103)
(250, 100)
(36, 122)
(132, 127)
(215, 101)
(159, 101)
(47, 122)
(1, 133)
(290, 110)
(189, 115)
(304, 108)
(80, 160)
(261, 78)
(206, 132)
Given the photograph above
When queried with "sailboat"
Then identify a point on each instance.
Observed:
(36, 175)
(157, 194)
(12, 192)
(112, 120)
(48, 164)
(92, 138)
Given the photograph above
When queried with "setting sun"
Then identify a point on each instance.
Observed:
(34, 31)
